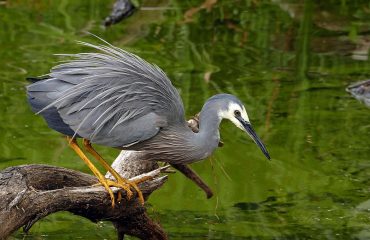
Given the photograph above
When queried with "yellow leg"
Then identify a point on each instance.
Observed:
(73, 144)
(121, 182)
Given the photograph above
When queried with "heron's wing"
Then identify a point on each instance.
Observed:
(114, 97)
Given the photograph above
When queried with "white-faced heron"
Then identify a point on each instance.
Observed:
(114, 98)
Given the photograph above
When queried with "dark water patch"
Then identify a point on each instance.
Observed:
(247, 206)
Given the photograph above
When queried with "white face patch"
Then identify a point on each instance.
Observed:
(229, 114)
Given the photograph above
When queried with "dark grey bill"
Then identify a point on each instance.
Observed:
(253, 135)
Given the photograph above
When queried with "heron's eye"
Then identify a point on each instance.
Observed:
(237, 113)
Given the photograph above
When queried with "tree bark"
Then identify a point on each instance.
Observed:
(31, 192)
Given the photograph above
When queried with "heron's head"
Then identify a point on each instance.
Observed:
(230, 107)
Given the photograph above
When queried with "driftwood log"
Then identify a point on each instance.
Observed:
(30, 192)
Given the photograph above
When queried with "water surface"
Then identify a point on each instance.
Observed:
(289, 62)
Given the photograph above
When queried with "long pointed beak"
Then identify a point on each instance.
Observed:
(248, 128)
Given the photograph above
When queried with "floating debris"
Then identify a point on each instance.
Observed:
(361, 91)
(121, 9)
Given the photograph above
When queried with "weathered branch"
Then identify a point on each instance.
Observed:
(189, 173)
(31, 192)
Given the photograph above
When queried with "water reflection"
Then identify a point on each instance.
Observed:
(288, 62)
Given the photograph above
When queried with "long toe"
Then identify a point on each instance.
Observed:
(127, 187)
(109, 190)
(139, 193)
(123, 185)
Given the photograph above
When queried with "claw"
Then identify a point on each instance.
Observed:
(119, 197)
(109, 190)
(123, 186)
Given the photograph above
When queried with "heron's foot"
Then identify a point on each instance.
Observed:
(120, 181)
(106, 184)
(127, 185)
(123, 186)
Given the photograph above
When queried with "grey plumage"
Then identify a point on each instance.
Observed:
(117, 99)
(91, 98)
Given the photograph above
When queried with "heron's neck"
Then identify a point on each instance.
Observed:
(208, 136)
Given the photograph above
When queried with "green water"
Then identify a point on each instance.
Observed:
(289, 62)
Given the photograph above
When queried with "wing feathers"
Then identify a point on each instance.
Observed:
(107, 93)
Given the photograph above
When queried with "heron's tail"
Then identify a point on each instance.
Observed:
(42, 92)
(36, 79)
